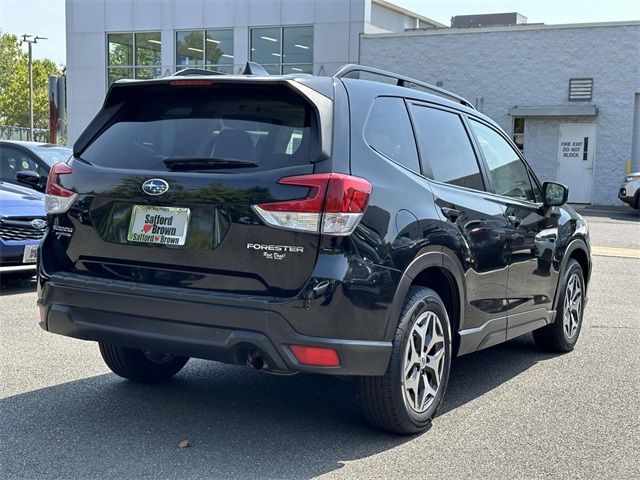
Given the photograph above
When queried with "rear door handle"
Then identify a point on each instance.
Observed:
(451, 213)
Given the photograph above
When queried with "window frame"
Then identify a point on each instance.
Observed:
(204, 65)
(426, 168)
(532, 176)
(134, 54)
(281, 64)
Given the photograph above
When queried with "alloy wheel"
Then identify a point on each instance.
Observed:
(423, 362)
(572, 306)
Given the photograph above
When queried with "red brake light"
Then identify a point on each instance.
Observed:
(57, 198)
(335, 200)
(53, 188)
(315, 356)
(347, 194)
(190, 83)
(314, 200)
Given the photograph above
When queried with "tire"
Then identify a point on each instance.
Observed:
(562, 335)
(139, 366)
(387, 401)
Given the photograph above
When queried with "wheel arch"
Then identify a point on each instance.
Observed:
(440, 272)
(578, 251)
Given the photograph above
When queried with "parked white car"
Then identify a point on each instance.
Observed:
(630, 190)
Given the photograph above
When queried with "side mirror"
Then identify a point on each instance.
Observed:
(28, 177)
(554, 194)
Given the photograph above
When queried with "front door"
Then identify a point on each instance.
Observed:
(575, 159)
(530, 235)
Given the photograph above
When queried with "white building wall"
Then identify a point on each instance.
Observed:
(635, 149)
(390, 20)
(501, 68)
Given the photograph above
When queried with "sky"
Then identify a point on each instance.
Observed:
(46, 17)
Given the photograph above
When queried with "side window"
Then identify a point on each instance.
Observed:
(509, 173)
(13, 161)
(445, 147)
(388, 132)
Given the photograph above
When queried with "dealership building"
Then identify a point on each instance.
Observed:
(569, 95)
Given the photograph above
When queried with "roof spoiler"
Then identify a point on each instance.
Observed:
(250, 68)
(195, 71)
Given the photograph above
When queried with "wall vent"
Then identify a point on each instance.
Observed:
(580, 88)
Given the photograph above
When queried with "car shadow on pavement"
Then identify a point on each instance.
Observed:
(240, 423)
(11, 286)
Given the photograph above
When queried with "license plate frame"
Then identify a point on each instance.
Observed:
(30, 254)
(160, 229)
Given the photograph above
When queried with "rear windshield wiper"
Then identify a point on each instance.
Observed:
(205, 163)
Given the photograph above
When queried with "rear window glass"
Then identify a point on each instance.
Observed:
(272, 127)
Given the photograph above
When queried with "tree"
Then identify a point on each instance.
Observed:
(14, 85)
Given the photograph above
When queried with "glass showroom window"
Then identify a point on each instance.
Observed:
(283, 49)
(133, 55)
(211, 49)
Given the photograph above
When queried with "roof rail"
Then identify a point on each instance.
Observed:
(402, 81)
(195, 71)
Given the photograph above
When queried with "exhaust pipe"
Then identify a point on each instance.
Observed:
(256, 360)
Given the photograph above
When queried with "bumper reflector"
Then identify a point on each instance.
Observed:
(315, 356)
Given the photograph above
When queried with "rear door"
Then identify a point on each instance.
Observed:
(474, 224)
(168, 188)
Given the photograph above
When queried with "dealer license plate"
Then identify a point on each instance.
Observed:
(30, 254)
(163, 225)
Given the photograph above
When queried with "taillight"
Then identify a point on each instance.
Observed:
(57, 198)
(334, 205)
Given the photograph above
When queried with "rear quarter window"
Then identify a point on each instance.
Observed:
(271, 126)
(388, 132)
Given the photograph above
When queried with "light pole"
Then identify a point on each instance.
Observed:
(30, 39)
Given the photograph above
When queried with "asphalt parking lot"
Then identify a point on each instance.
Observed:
(511, 411)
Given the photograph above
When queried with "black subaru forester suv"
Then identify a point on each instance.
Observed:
(335, 225)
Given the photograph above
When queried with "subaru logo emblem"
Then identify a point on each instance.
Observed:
(155, 186)
(38, 223)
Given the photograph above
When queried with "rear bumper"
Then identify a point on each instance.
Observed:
(189, 323)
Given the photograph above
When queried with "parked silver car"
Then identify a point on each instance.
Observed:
(630, 190)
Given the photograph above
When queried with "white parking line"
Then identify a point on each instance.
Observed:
(615, 252)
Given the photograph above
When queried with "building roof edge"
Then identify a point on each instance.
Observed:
(404, 11)
(513, 28)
